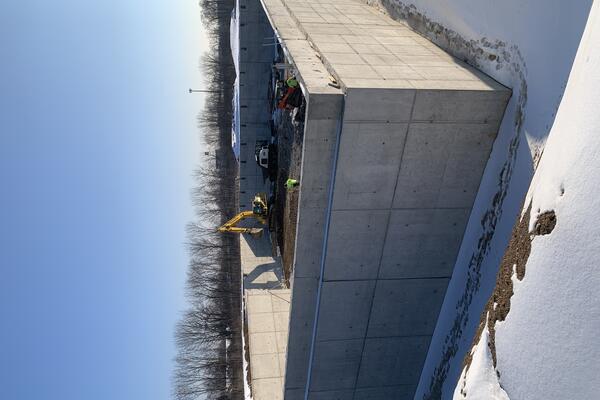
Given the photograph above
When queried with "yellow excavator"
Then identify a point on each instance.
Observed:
(259, 212)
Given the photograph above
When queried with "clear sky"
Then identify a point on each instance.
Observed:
(98, 140)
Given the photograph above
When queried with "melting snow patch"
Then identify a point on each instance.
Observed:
(247, 390)
(479, 380)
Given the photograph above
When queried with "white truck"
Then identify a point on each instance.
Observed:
(262, 155)
(265, 155)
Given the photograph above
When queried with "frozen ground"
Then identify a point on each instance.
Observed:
(530, 46)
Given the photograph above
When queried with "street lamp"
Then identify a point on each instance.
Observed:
(202, 91)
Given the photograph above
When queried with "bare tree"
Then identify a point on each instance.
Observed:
(208, 336)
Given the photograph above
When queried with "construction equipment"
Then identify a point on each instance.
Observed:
(265, 154)
(261, 154)
(259, 212)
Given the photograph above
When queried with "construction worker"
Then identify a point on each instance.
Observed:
(291, 184)
(292, 82)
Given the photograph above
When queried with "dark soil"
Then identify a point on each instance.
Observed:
(514, 261)
(289, 136)
(545, 223)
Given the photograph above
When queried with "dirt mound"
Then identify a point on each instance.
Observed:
(545, 223)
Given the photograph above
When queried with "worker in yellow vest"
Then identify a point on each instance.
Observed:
(292, 82)
(291, 184)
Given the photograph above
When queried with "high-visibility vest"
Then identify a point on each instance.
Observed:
(291, 183)
(292, 82)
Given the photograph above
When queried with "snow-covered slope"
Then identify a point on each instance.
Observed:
(547, 348)
(480, 381)
(528, 45)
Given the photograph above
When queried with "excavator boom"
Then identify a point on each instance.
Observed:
(254, 232)
(259, 212)
(239, 217)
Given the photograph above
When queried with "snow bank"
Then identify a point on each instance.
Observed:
(234, 43)
(547, 346)
(480, 381)
(246, 366)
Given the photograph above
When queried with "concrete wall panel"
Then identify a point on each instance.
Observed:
(422, 243)
(368, 165)
(318, 149)
(255, 53)
(302, 312)
(336, 364)
(355, 244)
(332, 395)
(253, 91)
(442, 157)
(460, 105)
(255, 73)
(246, 201)
(345, 308)
(254, 112)
(392, 361)
(324, 106)
(249, 169)
(406, 307)
(311, 230)
(253, 184)
(423, 164)
(402, 392)
(247, 151)
(247, 185)
(294, 394)
(393, 105)
(322, 121)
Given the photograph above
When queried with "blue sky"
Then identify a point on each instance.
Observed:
(98, 140)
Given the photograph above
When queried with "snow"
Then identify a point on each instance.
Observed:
(234, 43)
(245, 355)
(547, 348)
(480, 382)
(536, 42)
(246, 366)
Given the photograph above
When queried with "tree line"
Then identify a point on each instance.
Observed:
(208, 364)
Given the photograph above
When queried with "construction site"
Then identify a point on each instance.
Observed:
(361, 148)
(300, 200)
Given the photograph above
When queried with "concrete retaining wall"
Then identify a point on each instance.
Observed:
(255, 68)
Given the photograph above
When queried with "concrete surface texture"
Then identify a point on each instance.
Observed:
(323, 120)
(408, 168)
(392, 161)
(256, 56)
(311, 71)
(364, 48)
(267, 304)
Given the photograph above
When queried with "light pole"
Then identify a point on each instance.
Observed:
(202, 91)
